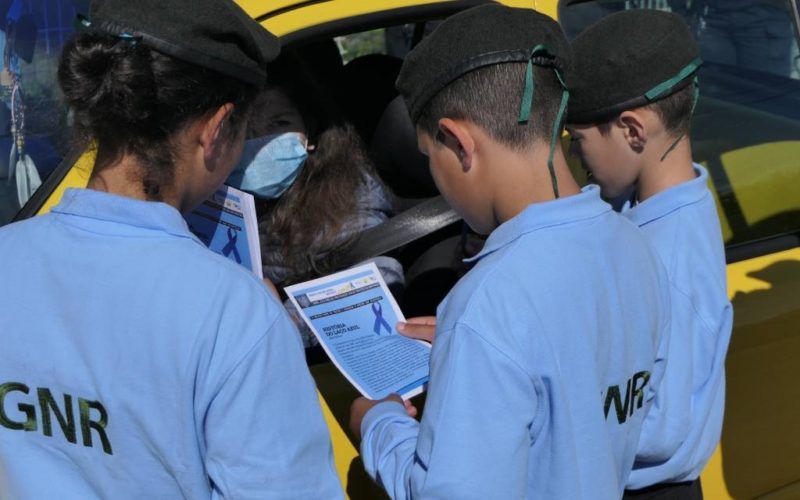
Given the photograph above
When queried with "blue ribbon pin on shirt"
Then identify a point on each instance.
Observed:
(377, 309)
(231, 246)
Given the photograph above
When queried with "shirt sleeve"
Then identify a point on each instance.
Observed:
(667, 423)
(475, 435)
(264, 430)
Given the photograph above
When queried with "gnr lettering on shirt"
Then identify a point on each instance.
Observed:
(634, 397)
(25, 416)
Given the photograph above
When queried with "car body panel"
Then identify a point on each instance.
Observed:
(288, 16)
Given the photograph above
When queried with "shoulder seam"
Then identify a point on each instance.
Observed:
(249, 351)
(495, 347)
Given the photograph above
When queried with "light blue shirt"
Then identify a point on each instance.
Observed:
(538, 385)
(137, 364)
(685, 424)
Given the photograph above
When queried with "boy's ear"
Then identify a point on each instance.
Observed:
(457, 138)
(633, 128)
(212, 129)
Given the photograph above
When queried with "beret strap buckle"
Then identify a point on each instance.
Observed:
(83, 23)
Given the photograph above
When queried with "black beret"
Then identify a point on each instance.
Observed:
(628, 60)
(214, 34)
(481, 36)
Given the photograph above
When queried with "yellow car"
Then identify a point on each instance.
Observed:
(746, 131)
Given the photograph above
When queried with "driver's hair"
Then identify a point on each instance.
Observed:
(308, 224)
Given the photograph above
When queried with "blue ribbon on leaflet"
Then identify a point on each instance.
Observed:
(377, 309)
(231, 246)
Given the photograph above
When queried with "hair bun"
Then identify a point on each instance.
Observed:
(107, 82)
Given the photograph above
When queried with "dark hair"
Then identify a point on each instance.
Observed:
(491, 96)
(130, 100)
(674, 111)
(306, 223)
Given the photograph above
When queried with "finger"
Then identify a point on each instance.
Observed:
(411, 410)
(271, 287)
(394, 397)
(421, 332)
(422, 320)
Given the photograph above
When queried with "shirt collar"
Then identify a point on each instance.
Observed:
(671, 199)
(101, 206)
(537, 216)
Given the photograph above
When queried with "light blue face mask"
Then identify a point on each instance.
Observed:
(269, 164)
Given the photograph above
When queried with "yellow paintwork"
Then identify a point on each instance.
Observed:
(752, 168)
(761, 373)
(325, 12)
(341, 458)
(752, 458)
(77, 177)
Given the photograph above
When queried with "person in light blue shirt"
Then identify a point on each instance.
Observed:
(136, 363)
(636, 144)
(548, 352)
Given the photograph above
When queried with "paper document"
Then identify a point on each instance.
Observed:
(354, 316)
(226, 223)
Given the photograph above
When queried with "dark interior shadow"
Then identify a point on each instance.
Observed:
(761, 434)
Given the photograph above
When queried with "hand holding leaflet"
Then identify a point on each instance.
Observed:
(353, 315)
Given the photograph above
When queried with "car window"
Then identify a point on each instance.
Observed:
(33, 121)
(362, 44)
(746, 128)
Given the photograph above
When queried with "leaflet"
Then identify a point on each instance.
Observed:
(226, 223)
(354, 316)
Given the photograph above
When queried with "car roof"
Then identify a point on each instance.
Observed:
(288, 18)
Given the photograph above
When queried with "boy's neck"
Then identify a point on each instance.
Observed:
(525, 179)
(663, 171)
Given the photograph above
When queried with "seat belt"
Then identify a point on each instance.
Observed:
(407, 226)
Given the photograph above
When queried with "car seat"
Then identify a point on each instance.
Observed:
(394, 150)
(367, 86)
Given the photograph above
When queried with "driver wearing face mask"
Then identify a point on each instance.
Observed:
(316, 187)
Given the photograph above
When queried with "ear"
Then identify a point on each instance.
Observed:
(633, 128)
(457, 139)
(212, 130)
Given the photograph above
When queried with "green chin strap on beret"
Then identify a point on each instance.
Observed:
(527, 104)
(664, 87)
(659, 90)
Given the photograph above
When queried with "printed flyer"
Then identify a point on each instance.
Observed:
(226, 223)
(354, 316)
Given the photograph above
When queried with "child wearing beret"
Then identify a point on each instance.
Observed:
(634, 91)
(548, 351)
(150, 366)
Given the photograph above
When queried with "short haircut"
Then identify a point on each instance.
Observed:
(675, 112)
(491, 96)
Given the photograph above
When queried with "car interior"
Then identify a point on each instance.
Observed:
(430, 241)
